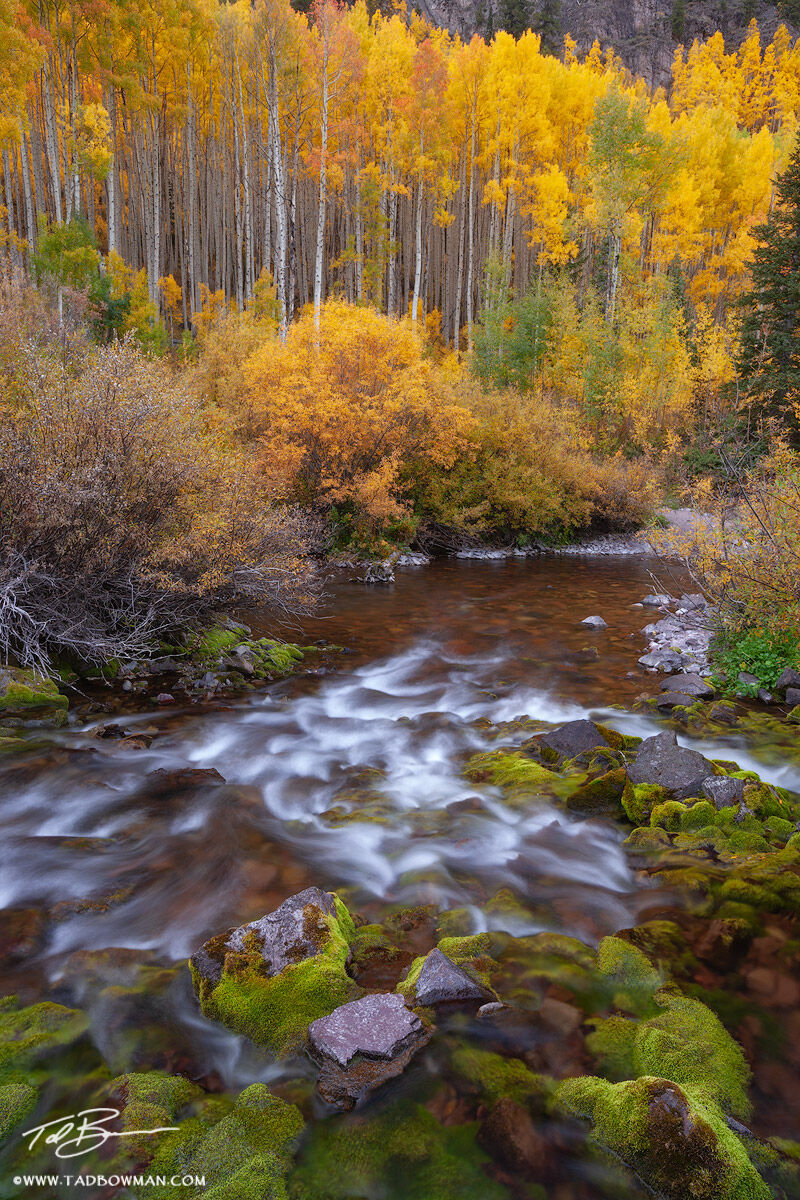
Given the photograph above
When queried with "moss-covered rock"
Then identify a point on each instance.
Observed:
(30, 1035)
(519, 776)
(639, 799)
(236, 985)
(23, 690)
(685, 1041)
(242, 1147)
(680, 1145)
(629, 978)
(401, 1153)
(493, 1076)
(17, 1101)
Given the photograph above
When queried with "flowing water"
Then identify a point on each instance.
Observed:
(349, 778)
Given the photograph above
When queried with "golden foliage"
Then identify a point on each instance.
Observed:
(342, 412)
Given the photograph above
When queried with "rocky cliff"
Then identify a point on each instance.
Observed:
(643, 32)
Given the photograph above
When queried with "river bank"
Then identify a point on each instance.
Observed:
(393, 781)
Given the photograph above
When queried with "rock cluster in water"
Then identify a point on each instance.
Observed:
(551, 1028)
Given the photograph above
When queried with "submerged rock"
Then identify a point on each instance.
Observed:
(511, 1137)
(363, 1044)
(271, 978)
(663, 763)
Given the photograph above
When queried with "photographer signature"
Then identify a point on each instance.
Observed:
(76, 1134)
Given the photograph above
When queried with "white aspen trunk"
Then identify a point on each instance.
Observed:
(323, 194)
(111, 181)
(30, 213)
(51, 136)
(614, 247)
(249, 272)
(391, 286)
(359, 239)
(237, 208)
(280, 191)
(471, 233)
(191, 171)
(418, 255)
(460, 269)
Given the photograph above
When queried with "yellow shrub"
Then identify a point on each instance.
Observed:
(341, 411)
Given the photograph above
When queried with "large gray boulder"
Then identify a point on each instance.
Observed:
(576, 737)
(291, 933)
(363, 1044)
(662, 761)
(441, 981)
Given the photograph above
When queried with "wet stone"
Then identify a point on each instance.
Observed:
(364, 1044)
(657, 600)
(662, 761)
(668, 700)
(576, 737)
(594, 622)
(440, 981)
(690, 684)
(376, 1026)
(793, 696)
(788, 678)
(723, 791)
(290, 933)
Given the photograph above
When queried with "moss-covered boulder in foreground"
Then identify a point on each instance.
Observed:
(270, 979)
(241, 1146)
(676, 1140)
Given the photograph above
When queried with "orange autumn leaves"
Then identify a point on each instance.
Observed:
(342, 413)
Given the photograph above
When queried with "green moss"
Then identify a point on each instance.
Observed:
(454, 922)
(276, 1012)
(472, 954)
(279, 657)
(686, 1042)
(243, 1147)
(23, 689)
(495, 1076)
(369, 945)
(680, 1156)
(629, 977)
(647, 839)
(17, 1101)
(512, 771)
(602, 795)
(615, 740)
(28, 1035)
(401, 1153)
(216, 641)
(639, 799)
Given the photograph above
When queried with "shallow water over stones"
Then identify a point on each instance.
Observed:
(116, 864)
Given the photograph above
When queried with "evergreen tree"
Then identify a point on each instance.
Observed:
(514, 16)
(769, 360)
(547, 23)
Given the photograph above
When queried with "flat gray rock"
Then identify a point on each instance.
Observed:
(594, 622)
(440, 981)
(657, 600)
(376, 1026)
(693, 601)
(690, 685)
(723, 791)
(576, 737)
(662, 761)
(292, 932)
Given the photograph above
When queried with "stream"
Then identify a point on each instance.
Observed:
(120, 860)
